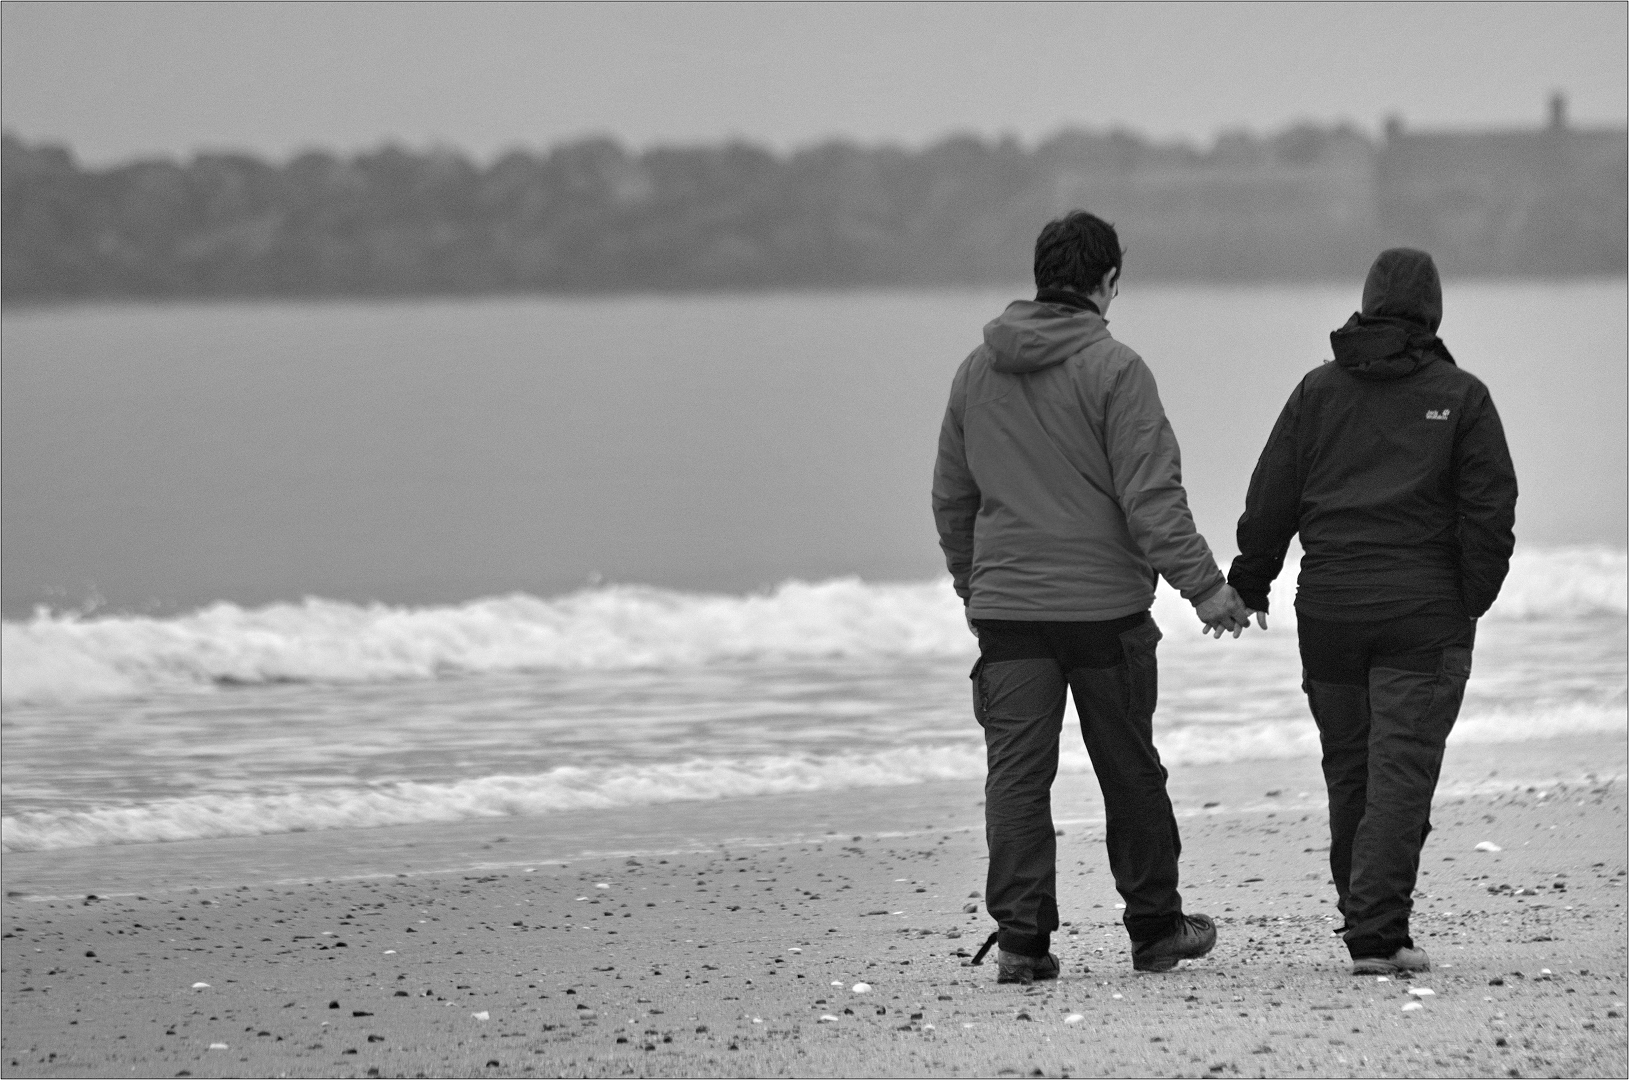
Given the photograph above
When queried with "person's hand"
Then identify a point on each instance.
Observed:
(1261, 618)
(1224, 611)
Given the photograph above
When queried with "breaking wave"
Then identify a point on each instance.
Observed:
(55, 657)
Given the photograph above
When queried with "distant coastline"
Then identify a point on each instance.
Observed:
(590, 217)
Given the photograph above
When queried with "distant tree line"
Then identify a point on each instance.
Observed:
(593, 216)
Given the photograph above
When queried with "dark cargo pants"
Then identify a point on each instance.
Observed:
(1384, 695)
(1018, 698)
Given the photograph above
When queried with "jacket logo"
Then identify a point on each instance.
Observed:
(1436, 414)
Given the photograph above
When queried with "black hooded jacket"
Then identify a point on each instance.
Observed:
(1392, 465)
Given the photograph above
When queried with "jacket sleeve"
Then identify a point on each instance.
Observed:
(1272, 509)
(1485, 485)
(1147, 468)
(955, 495)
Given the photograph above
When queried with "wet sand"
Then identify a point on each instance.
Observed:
(728, 938)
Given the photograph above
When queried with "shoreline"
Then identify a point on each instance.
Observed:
(699, 825)
(705, 938)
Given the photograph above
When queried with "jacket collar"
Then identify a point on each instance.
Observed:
(1067, 298)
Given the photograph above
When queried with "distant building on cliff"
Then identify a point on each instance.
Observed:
(1550, 200)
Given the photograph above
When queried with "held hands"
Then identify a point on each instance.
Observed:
(1224, 610)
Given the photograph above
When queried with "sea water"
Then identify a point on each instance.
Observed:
(268, 654)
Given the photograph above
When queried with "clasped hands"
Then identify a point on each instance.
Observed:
(1224, 610)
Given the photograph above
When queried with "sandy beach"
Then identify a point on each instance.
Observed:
(825, 934)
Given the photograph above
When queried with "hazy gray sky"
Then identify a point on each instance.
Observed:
(116, 80)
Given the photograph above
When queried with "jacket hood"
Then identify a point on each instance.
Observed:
(1031, 335)
(1403, 284)
(1396, 332)
(1378, 348)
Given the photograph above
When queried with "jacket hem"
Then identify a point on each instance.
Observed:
(976, 610)
(1379, 611)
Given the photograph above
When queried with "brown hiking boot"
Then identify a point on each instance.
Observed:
(1194, 937)
(1403, 960)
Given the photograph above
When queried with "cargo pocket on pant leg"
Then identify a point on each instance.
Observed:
(978, 690)
(1448, 692)
(1142, 668)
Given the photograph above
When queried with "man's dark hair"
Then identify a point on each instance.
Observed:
(1075, 251)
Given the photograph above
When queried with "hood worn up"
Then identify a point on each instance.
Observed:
(1378, 349)
(1403, 284)
(1031, 335)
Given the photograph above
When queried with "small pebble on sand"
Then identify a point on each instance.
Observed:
(794, 950)
(862, 988)
(828, 1018)
(602, 885)
(217, 1046)
(200, 986)
(1488, 845)
(1412, 1006)
(1073, 1018)
(1422, 991)
(482, 1015)
(1119, 997)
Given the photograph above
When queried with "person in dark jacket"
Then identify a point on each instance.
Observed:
(1391, 463)
(1058, 497)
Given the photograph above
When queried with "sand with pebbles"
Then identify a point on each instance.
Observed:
(813, 935)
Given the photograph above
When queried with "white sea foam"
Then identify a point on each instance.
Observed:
(1571, 582)
(65, 657)
(580, 788)
(570, 788)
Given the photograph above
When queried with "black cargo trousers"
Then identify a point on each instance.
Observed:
(1385, 695)
(1019, 682)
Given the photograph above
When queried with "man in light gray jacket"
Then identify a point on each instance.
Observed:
(1058, 497)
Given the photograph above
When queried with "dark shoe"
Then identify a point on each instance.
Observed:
(1398, 962)
(1012, 968)
(1195, 937)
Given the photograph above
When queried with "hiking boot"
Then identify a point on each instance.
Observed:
(1402, 960)
(1012, 968)
(1195, 936)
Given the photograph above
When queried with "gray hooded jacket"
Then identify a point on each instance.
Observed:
(1058, 489)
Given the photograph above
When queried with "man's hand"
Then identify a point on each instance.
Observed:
(1225, 611)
